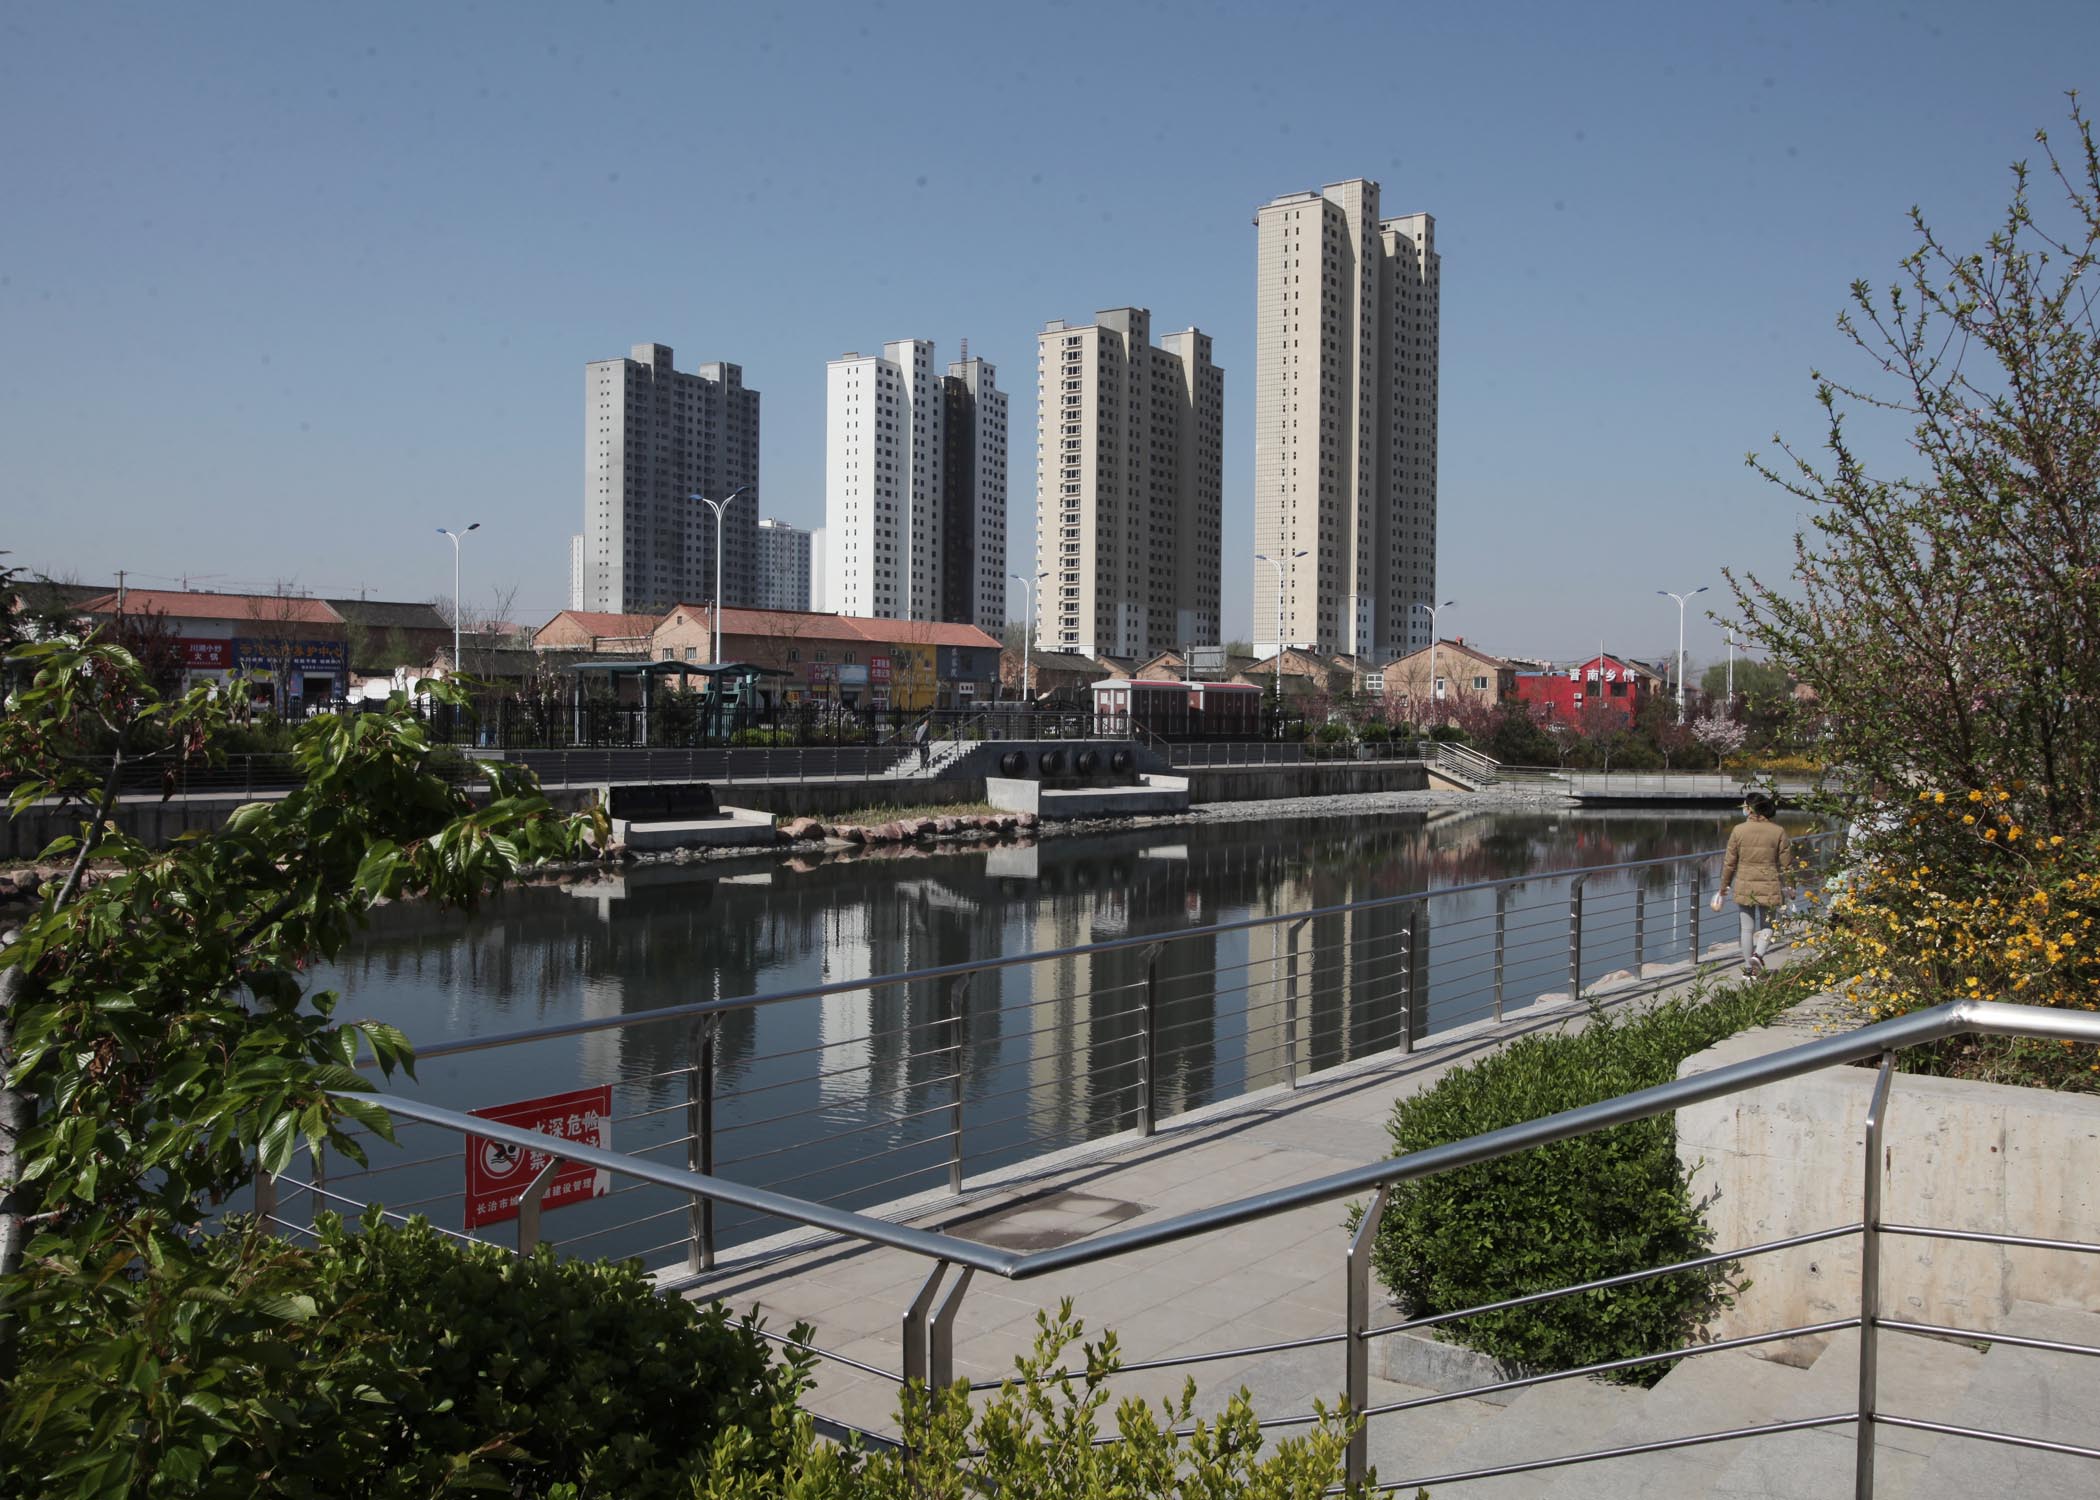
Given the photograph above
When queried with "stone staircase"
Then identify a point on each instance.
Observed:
(2036, 1393)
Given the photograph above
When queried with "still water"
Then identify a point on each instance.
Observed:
(853, 1097)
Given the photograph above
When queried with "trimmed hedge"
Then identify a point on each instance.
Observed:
(1576, 1211)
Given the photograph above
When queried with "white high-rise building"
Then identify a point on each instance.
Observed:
(819, 598)
(653, 438)
(1345, 407)
(783, 566)
(1129, 487)
(915, 488)
(576, 571)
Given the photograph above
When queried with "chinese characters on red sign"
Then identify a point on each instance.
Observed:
(498, 1174)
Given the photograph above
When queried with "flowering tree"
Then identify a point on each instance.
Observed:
(1948, 617)
(1723, 736)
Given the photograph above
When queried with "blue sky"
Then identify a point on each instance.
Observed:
(284, 287)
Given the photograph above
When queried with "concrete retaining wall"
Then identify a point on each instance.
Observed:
(153, 823)
(1312, 779)
(1786, 1159)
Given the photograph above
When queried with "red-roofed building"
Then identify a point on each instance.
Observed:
(599, 634)
(855, 660)
(290, 645)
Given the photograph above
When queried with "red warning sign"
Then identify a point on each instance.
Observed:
(498, 1173)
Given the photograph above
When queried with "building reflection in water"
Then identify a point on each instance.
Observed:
(850, 1095)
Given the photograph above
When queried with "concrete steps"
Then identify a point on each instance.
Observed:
(2031, 1392)
(2043, 1394)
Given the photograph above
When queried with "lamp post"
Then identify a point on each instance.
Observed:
(1680, 598)
(1028, 639)
(1281, 592)
(718, 506)
(456, 535)
(1434, 631)
(1731, 667)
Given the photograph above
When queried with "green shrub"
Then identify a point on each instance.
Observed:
(1040, 1438)
(1578, 1210)
(386, 1360)
(1331, 734)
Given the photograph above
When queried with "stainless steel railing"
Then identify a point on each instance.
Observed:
(937, 1081)
(927, 1325)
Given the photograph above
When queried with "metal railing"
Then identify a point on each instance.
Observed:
(1461, 762)
(927, 1324)
(925, 1081)
(1201, 755)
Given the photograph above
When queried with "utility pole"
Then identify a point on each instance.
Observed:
(120, 591)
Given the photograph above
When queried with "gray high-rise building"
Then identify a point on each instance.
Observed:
(1345, 407)
(783, 566)
(653, 438)
(915, 488)
(1128, 485)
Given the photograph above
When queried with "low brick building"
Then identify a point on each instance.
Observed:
(856, 661)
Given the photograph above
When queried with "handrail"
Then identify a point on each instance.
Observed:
(697, 1008)
(1989, 1018)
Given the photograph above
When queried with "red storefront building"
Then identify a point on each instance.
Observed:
(1564, 692)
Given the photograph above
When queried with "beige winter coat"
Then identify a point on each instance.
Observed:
(1757, 860)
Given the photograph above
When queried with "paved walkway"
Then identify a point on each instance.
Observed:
(1275, 1279)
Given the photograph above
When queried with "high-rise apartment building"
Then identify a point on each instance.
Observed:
(576, 562)
(915, 488)
(653, 438)
(1345, 393)
(783, 566)
(1128, 487)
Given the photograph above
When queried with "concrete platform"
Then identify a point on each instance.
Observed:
(1148, 795)
(731, 827)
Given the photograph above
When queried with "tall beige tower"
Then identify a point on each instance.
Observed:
(1129, 487)
(1345, 392)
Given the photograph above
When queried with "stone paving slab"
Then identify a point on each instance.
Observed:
(1275, 1279)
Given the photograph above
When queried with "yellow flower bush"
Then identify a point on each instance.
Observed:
(1981, 907)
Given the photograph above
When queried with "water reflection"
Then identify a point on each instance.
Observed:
(853, 1096)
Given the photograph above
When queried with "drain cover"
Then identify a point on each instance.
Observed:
(1041, 1223)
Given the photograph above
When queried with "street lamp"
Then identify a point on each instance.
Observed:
(718, 506)
(456, 535)
(1731, 667)
(1028, 639)
(1277, 564)
(1680, 598)
(1434, 631)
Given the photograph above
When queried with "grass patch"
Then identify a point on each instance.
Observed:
(872, 815)
(1580, 1210)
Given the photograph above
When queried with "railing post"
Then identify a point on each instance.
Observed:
(940, 1334)
(1698, 899)
(1148, 1113)
(1501, 943)
(1640, 928)
(1575, 938)
(529, 1206)
(915, 1319)
(265, 1197)
(958, 1000)
(1290, 1009)
(1357, 1348)
(248, 776)
(1870, 1283)
(700, 1140)
(1407, 976)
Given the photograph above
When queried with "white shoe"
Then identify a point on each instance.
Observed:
(1761, 941)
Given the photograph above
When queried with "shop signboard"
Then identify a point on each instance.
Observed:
(853, 675)
(206, 656)
(297, 656)
(498, 1174)
(878, 669)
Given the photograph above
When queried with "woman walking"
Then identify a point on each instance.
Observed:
(1755, 871)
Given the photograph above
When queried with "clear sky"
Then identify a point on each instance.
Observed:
(284, 287)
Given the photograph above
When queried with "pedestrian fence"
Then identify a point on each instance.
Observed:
(747, 1127)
